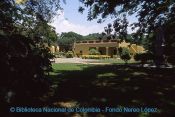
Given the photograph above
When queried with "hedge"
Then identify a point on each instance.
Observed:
(95, 56)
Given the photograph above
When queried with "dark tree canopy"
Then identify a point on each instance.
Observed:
(67, 39)
(24, 57)
(150, 13)
(43, 10)
(93, 36)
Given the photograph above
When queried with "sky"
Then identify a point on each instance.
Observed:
(71, 20)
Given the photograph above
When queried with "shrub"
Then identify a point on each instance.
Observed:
(125, 55)
(95, 56)
(60, 54)
(23, 66)
(94, 52)
(143, 57)
(171, 59)
(120, 50)
(69, 54)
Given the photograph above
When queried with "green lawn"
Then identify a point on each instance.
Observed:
(114, 86)
(68, 67)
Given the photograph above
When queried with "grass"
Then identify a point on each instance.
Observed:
(114, 86)
(68, 67)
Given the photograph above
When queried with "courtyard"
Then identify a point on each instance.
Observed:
(91, 61)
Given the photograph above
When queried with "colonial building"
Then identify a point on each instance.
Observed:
(54, 49)
(105, 47)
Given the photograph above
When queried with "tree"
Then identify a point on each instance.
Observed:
(93, 36)
(107, 32)
(43, 10)
(149, 12)
(143, 57)
(24, 61)
(125, 55)
(151, 15)
(46, 33)
(66, 40)
(120, 26)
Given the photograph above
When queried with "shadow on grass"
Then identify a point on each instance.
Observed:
(117, 86)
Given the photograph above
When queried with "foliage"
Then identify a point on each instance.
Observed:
(171, 59)
(94, 52)
(66, 40)
(143, 57)
(120, 26)
(59, 54)
(120, 50)
(69, 54)
(23, 64)
(107, 32)
(93, 36)
(24, 58)
(44, 10)
(95, 56)
(150, 14)
(125, 55)
(170, 42)
(46, 32)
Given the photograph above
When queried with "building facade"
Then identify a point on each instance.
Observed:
(54, 49)
(105, 47)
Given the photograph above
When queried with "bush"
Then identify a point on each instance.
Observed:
(23, 66)
(95, 56)
(171, 59)
(94, 52)
(69, 54)
(125, 55)
(120, 51)
(60, 54)
(143, 57)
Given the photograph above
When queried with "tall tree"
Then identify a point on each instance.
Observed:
(23, 61)
(93, 36)
(66, 40)
(120, 26)
(151, 16)
(150, 13)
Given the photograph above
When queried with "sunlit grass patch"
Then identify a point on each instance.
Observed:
(109, 75)
(126, 79)
(68, 66)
